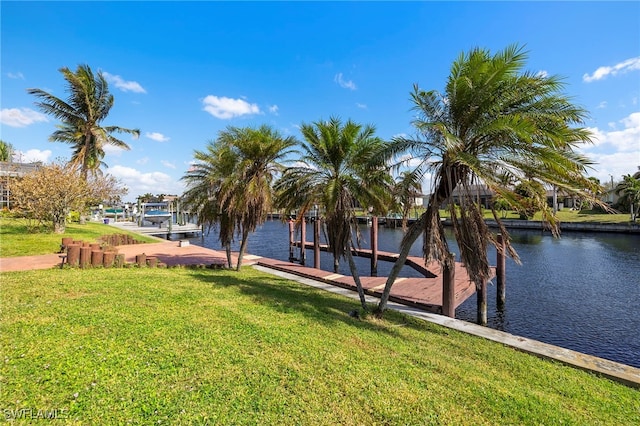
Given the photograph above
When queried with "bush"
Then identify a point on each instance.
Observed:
(74, 217)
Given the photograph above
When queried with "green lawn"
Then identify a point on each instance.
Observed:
(16, 240)
(195, 346)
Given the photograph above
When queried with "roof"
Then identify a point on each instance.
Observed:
(17, 169)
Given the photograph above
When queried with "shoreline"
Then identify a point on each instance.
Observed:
(623, 228)
(620, 228)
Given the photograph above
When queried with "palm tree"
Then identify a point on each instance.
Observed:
(87, 106)
(208, 189)
(407, 187)
(6, 151)
(629, 191)
(231, 183)
(492, 118)
(339, 170)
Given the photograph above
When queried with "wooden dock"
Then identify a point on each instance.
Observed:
(425, 293)
(160, 231)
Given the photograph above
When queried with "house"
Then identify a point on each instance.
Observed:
(10, 171)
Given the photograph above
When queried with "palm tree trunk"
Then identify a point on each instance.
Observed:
(243, 246)
(336, 264)
(412, 235)
(356, 278)
(227, 248)
(445, 188)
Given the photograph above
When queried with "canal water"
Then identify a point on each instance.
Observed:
(581, 291)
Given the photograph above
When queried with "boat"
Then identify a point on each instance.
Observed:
(113, 212)
(157, 216)
(156, 212)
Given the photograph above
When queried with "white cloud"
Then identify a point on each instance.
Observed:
(225, 108)
(125, 86)
(20, 117)
(143, 160)
(615, 164)
(542, 73)
(140, 183)
(168, 164)
(410, 161)
(112, 150)
(159, 137)
(616, 152)
(32, 156)
(15, 75)
(625, 140)
(273, 109)
(602, 105)
(622, 67)
(346, 84)
(361, 106)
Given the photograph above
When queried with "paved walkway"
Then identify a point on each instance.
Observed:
(172, 253)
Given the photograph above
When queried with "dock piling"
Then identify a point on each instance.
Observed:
(449, 287)
(500, 273)
(303, 235)
(291, 240)
(481, 295)
(374, 246)
(316, 243)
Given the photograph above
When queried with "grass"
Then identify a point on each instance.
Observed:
(16, 240)
(183, 346)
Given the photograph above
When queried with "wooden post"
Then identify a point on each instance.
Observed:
(501, 273)
(291, 232)
(85, 256)
(152, 262)
(449, 287)
(119, 263)
(97, 257)
(108, 258)
(141, 260)
(303, 235)
(316, 243)
(73, 255)
(374, 246)
(66, 242)
(481, 295)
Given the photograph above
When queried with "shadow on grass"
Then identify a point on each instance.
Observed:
(284, 296)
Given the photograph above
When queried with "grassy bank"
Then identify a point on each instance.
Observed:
(16, 240)
(183, 346)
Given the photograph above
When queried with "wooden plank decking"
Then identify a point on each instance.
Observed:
(423, 293)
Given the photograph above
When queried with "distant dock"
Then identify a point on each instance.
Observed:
(177, 231)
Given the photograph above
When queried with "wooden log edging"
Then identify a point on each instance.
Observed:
(119, 239)
(84, 254)
(95, 255)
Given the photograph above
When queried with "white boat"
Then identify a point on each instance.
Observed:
(157, 216)
(156, 212)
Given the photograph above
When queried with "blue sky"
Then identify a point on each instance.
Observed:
(183, 71)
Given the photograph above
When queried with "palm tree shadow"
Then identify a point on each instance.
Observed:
(284, 296)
